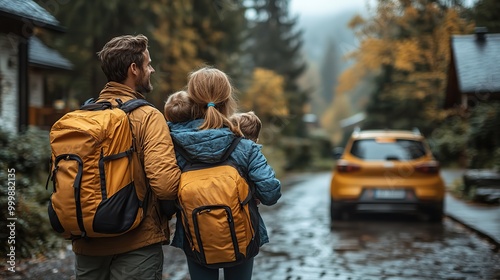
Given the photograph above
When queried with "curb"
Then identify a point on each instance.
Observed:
(491, 240)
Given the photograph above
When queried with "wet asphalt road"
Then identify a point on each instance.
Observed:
(304, 246)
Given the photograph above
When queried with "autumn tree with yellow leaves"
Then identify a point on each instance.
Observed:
(404, 51)
(266, 96)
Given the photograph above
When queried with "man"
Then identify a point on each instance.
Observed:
(138, 253)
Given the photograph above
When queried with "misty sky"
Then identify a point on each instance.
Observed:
(328, 7)
(324, 7)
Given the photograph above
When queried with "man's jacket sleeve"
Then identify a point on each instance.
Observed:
(160, 164)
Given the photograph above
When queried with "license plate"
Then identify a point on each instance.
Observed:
(390, 194)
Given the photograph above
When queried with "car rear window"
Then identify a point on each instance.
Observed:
(398, 149)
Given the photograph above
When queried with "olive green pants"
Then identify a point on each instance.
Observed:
(144, 263)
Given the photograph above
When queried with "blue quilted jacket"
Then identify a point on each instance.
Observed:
(209, 145)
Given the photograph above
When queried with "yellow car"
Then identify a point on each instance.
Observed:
(387, 171)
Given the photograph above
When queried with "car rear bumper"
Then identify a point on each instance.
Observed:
(344, 188)
(388, 206)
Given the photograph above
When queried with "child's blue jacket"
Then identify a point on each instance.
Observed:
(209, 145)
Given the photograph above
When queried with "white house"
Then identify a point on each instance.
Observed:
(24, 60)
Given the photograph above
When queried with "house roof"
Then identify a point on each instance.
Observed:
(477, 63)
(31, 11)
(44, 57)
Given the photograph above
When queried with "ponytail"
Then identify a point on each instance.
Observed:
(212, 93)
(215, 119)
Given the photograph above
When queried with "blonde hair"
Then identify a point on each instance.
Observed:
(249, 124)
(212, 94)
(179, 107)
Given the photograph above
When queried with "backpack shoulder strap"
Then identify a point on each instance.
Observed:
(179, 149)
(127, 107)
(230, 149)
(91, 105)
(133, 104)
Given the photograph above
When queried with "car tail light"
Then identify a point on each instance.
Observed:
(345, 166)
(428, 167)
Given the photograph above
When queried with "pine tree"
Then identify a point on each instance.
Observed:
(221, 29)
(330, 68)
(276, 45)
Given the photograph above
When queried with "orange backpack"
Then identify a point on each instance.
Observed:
(92, 172)
(218, 212)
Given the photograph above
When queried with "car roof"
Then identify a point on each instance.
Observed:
(369, 134)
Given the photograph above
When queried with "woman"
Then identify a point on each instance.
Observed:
(204, 140)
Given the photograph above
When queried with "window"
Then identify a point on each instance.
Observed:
(399, 149)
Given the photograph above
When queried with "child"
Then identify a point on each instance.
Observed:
(178, 107)
(249, 124)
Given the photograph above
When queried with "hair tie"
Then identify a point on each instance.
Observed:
(210, 104)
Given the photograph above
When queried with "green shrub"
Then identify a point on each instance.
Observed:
(496, 159)
(322, 153)
(449, 141)
(460, 190)
(26, 156)
(298, 153)
(484, 136)
(276, 159)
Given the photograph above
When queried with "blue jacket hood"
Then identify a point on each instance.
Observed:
(202, 145)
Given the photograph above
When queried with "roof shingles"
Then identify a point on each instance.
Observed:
(42, 56)
(477, 63)
(27, 9)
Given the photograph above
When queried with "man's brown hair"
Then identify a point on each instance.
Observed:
(249, 124)
(119, 53)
